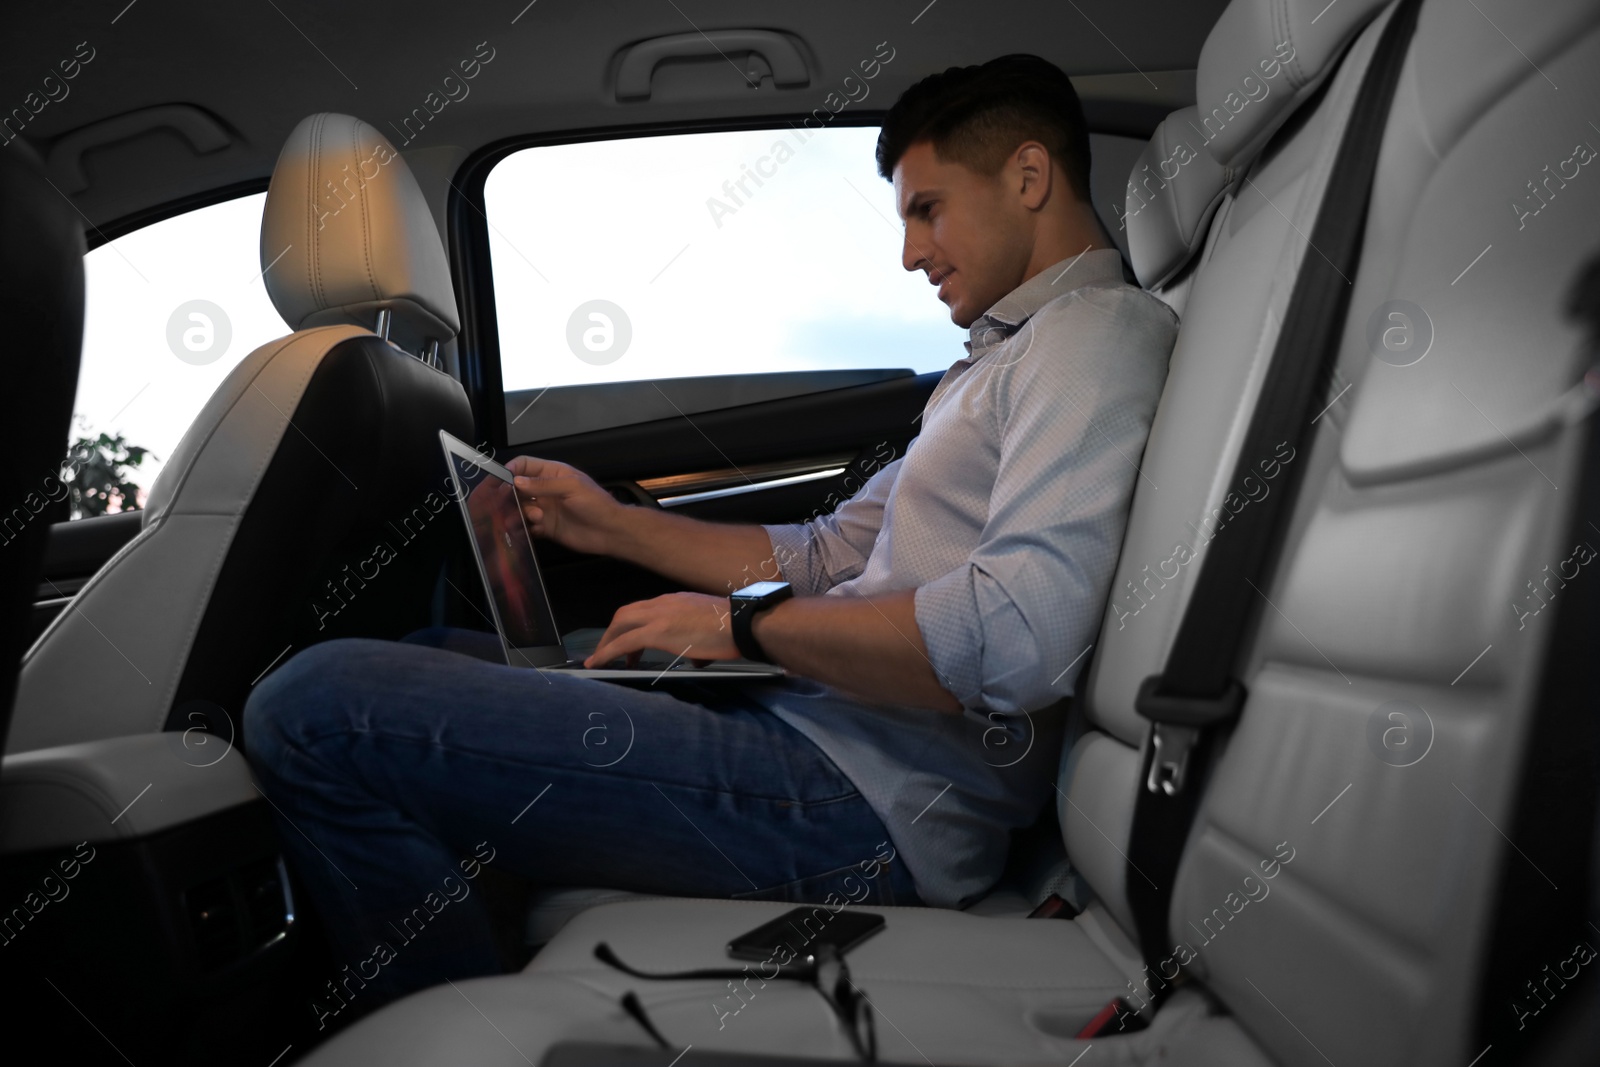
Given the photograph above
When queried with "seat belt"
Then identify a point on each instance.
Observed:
(1197, 693)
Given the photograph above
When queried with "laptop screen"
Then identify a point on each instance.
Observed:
(505, 548)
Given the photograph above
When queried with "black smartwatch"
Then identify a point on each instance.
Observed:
(744, 604)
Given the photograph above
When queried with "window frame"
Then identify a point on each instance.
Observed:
(98, 236)
(123, 225)
(478, 343)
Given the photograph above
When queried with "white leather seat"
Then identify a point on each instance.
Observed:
(1422, 514)
(1037, 868)
(273, 489)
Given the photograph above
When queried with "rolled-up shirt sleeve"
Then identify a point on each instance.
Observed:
(1003, 628)
(815, 556)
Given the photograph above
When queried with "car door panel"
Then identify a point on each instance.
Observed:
(846, 430)
(73, 552)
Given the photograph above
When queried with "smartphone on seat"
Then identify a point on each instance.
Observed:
(802, 929)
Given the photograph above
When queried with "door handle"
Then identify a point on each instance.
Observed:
(630, 492)
(639, 62)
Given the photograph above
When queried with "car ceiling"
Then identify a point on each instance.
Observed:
(248, 71)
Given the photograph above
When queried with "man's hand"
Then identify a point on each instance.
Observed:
(694, 625)
(565, 504)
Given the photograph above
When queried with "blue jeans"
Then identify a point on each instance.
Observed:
(397, 769)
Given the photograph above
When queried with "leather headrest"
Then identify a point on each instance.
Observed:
(1260, 62)
(1173, 192)
(346, 233)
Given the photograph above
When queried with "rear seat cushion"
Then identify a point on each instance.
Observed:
(976, 989)
(1037, 866)
(551, 907)
(513, 1021)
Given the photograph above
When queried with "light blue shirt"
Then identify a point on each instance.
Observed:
(1006, 515)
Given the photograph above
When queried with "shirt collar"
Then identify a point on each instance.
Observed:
(1103, 266)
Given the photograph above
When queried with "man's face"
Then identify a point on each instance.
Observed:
(967, 231)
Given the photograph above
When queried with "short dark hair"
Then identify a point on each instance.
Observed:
(978, 115)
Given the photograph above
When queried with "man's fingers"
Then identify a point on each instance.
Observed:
(530, 466)
(622, 636)
(550, 485)
(626, 644)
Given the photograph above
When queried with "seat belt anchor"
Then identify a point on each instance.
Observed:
(1169, 758)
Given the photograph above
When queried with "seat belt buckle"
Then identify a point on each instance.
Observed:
(1055, 906)
(1169, 758)
(1119, 1011)
(1176, 723)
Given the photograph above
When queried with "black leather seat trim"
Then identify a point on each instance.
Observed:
(357, 482)
(41, 295)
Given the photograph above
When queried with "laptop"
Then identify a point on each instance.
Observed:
(509, 567)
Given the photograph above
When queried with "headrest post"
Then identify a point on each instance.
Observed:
(381, 327)
(430, 354)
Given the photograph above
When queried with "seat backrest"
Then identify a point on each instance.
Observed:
(1215, 211)
(303, 503)
(41, 297)
(1397, 664)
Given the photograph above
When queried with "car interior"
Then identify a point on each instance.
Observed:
(1377, 222)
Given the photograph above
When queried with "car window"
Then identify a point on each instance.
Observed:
(752, 252)
(169, 310)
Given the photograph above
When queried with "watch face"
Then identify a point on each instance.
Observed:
(759, 589)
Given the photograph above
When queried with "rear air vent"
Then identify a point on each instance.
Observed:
(240, 913)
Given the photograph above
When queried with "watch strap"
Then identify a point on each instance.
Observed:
(743, 619)
(742, 613)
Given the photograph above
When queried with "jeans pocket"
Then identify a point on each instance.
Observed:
(873, 881)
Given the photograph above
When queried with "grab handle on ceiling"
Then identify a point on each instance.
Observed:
(639, 62)
(65, 163)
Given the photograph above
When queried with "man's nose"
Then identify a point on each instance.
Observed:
(910, 257)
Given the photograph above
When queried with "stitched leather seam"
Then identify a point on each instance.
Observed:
(366, 220)
(322, 283)
(1282, 30)
(312, 135)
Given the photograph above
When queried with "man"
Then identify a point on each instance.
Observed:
(941, 615)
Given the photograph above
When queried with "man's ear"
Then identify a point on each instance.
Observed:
(1036, 177)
